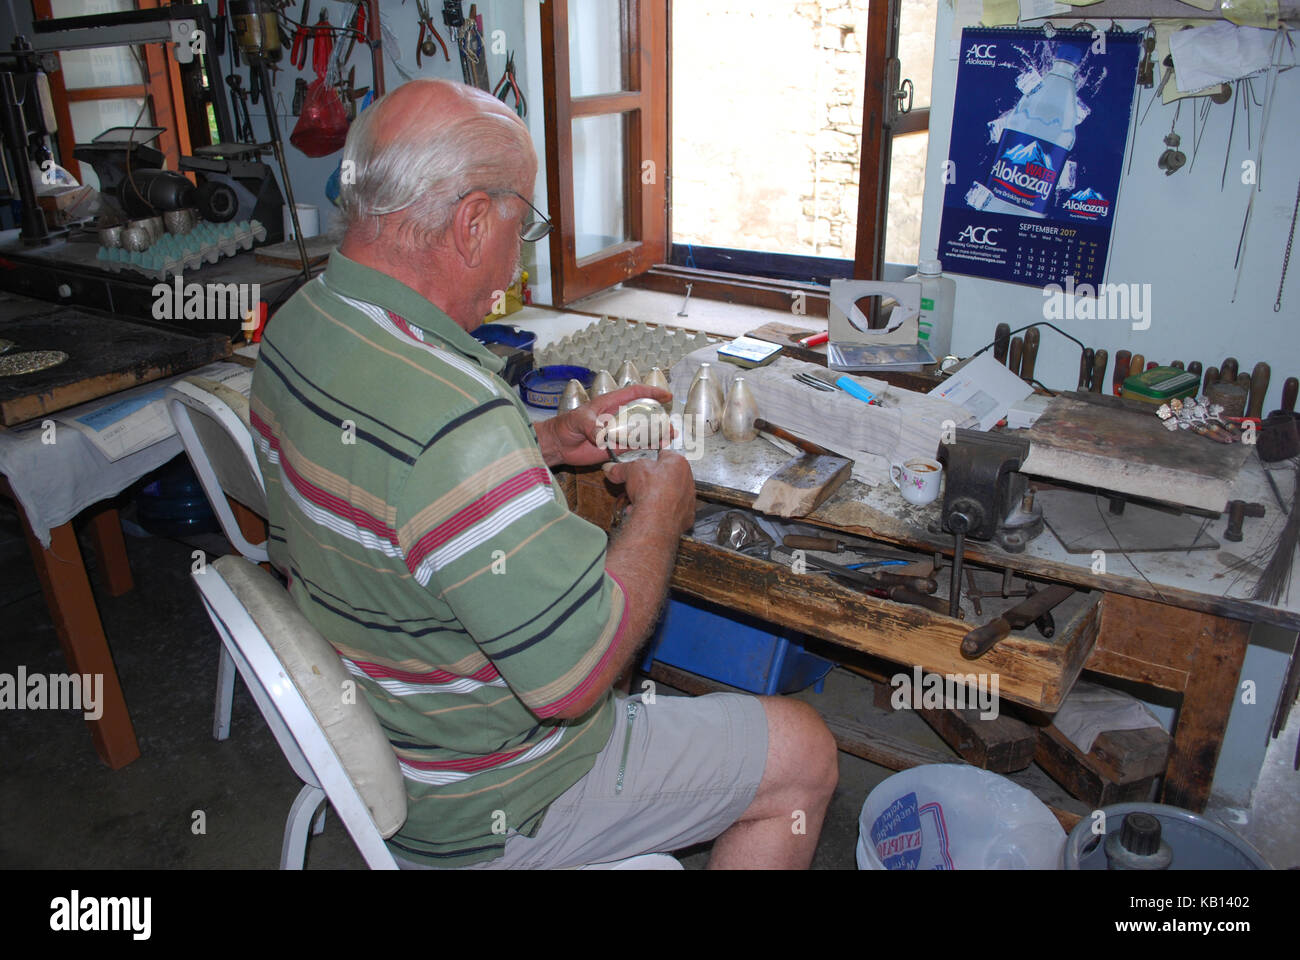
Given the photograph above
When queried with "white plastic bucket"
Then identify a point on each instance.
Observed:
(952, 816)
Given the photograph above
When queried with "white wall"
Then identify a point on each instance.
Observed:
(1179, 234)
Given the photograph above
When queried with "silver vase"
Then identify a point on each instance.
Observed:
(603, 384)
(703, 413)
(740, 413)
(573, 397)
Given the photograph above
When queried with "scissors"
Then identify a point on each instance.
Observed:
(425, 46)
(508, 85)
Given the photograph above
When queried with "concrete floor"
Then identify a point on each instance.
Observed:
(191, 802)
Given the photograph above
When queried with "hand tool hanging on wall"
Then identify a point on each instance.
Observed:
(1015, 354)
(425, 46)
(239, 108)
(322, 45)
(510, 85)
(356, 27)
(1099, 361)
(301, 39)
(469, 42)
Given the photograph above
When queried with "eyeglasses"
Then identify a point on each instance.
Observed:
(529, 232)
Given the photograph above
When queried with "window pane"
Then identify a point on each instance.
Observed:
(767, 126)
(916, 42)
(599, 194)
(92, 117)
(596, 63)
(102, 66)
(906, 186)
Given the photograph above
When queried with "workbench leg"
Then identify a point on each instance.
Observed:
(81, 635)
(1213, 671)
(106, 535)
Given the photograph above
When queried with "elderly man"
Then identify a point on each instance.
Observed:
(413, 512)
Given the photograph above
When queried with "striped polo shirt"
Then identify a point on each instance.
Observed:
(422, 533)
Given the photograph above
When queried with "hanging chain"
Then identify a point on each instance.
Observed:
(1286, 259)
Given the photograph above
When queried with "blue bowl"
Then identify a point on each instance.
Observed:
(501, 333)
(542, 388)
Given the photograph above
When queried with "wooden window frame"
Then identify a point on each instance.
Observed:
(881, 122)
(162, 87)
(644, 101)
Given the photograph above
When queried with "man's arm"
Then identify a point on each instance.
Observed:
(641, 556)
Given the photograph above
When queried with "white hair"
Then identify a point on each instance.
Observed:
(422, 172)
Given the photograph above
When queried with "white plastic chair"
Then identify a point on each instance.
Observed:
(333, 742)
(213, 424)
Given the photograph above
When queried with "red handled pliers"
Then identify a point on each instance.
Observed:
(425, 47)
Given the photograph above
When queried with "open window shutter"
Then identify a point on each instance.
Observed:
(606, 89)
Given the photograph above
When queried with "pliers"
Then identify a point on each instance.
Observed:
(508, 85)
(298, 53)
(323, 45)
(425, 47)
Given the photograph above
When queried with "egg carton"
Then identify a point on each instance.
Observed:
(173, 254)
(608, 342)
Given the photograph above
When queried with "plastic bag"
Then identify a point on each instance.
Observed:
(322, 126)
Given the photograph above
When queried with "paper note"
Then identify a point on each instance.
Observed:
(1000, 13)
(1037, 9)
(1218, 53)
(985, 388)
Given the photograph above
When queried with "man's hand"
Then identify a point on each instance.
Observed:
(663, 489)
(571, 436)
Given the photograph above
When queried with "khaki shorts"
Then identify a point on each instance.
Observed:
(693, 766)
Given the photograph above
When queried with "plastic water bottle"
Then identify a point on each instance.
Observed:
(938, 294)
(1036, 140)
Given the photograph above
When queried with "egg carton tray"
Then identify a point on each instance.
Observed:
(608, 342)
(173, 254)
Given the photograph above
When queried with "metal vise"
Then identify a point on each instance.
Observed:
(985, 496)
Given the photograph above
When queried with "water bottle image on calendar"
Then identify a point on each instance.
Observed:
(1036, 140)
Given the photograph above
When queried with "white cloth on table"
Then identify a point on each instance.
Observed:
(54, 482)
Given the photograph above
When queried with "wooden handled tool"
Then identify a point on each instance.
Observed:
(1001, 342)
(1122, 361)
(1014, 357)
(1290, 388)
(1259, 381)
(1030, 355)
(1228, 370)
(799, 487)
(1194, 368)
(1176, 364)
(1099, 370)
(1211, 378)
(1135, 365)
(982, 639)
(1085, 369)
(1243, 381)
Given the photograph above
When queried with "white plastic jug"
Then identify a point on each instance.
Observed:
(952, 816)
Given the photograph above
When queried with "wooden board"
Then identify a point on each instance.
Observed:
(1110, 446)
(1083, 523)
(105, 354)
(286, 254)
(1121, 767)
(1001, 744)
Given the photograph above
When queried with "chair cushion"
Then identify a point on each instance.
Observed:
(315, 669)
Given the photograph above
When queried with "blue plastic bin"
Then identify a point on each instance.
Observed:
(697, 637)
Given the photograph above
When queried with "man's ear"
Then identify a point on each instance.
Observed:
(470, 225)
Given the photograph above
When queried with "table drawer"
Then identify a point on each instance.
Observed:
(1031, 670)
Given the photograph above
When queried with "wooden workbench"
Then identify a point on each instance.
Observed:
(1175, 621)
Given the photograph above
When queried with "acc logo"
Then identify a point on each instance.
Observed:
(981, 235)
(983, 51)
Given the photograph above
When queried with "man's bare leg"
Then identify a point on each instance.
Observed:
(779, 830)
